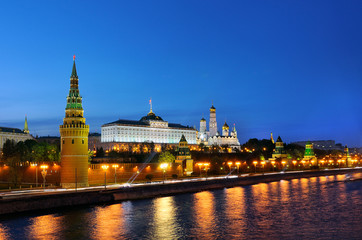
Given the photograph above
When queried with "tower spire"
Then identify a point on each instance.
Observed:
(26, 129)
(74, 70)
(150, 105)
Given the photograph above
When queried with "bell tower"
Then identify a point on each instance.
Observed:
(212, 123)
(74, 139)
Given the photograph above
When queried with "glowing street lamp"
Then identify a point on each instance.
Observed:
(255, 162)
(115, 166)
(263, 163)
(44, 173)
(273, 163)
(230, 163)
(206, 165)
(105, 167)
(164, 167)
(238, 165)
(36, 173)
(199, 164)
(303, 164)
(294, 162)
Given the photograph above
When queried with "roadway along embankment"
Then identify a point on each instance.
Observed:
(36, 202)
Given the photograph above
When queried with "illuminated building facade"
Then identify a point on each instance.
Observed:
(150, 128)
(279, 151)
(213, 137)
(74, 139)
(14, 134)
(183, 157)
(309, 152)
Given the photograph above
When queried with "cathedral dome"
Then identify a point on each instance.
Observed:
(151, 116)
(203, 120)
(225, 126)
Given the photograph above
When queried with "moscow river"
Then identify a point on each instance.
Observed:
(307, 208)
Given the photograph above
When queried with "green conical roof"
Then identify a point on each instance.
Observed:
(74, 71)
(183, 139)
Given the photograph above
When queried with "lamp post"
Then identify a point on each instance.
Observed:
(206, 165)
(36, 173)
(255, 163)
(115, 166)
(105, 167)
(263, 163)
(283, 163)
(230, 163)
(294, 162)
(164, 167)
(237, 166)
(44, 173)
(273, 163)
(199, 164)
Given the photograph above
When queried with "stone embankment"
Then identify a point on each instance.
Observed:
(24, 203)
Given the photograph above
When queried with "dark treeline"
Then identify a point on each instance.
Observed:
(29, 151)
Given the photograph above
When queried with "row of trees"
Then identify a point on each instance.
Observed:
(29, 151)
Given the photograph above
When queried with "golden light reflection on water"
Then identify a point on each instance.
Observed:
(164, 219)
(109, 222)
(235, 210)
(45, 227)
(285, 191)
(204, 209)
(3, 232)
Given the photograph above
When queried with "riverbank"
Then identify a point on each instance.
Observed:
(62, 199)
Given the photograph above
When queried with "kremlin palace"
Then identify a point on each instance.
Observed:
(150, 128)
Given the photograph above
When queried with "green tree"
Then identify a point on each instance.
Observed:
(166, 157)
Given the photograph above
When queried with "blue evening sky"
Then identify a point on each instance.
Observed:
(293, 68)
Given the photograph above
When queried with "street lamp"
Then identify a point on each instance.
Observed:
(255, 162)
(199, 164)
(273, 163)
(105, 167)
(230, 163)
(115, 166)
(164, 167)
(238, 165)
(294, 162)
(263, 163)
(206, 165)
(44, 173)
(283, 163)
(36, 173)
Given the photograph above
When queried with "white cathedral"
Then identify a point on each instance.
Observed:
(213, 137)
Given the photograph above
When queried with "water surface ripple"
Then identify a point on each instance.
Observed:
(307, 208)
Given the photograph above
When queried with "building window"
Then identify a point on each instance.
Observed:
(63, 141)
(82, 141)
(72, 141)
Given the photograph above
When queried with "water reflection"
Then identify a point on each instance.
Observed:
(109, 222)
(314, 208)
(204, 214)
(235, 211)
(3, 232)
(45, 227)
(165, 224)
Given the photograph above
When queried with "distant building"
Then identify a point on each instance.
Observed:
(213, 137)
(279, 151)
(14, 134)
(150, 128)
(183, 157)
(309, 152)
(321, 144)
(347, 157)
